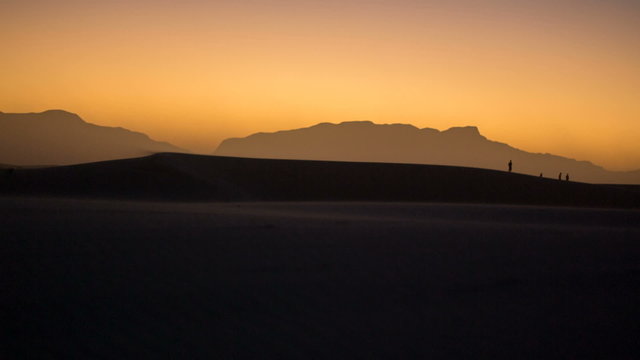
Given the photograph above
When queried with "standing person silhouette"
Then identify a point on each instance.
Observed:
(510, 165)
(560, 176)
(567, 177)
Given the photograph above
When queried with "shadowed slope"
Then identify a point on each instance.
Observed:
(402, 143)
(194, 177)
(57, 137)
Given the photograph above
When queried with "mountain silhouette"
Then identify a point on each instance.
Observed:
(403, 143)
(57, 137)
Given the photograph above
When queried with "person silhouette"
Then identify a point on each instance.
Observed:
(540, 174)
(567, 177)
(560, 176)
(510, 165)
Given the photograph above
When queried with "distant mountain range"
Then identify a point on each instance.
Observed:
(57, 137)
(401, 143)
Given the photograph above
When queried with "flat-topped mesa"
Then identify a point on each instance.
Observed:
(464, 131)
(362, 124)
(357, 122)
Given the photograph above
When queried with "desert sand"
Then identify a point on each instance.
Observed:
(177, 256)
(181, 177)
(289, 280)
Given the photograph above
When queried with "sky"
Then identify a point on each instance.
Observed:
(559, 77)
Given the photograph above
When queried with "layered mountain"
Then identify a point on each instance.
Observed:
(57, 137)
(365, 141)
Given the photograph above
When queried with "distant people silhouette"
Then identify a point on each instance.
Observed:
(560, 176)
(510, 165)
(540, 174)
(567, 177)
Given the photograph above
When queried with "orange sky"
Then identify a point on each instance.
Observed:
(546, 76)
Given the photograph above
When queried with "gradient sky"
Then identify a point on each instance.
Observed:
(544, 76)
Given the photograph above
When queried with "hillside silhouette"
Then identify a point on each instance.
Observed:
(402, 143)
(193, 256)
(185, 177)
(57, 137)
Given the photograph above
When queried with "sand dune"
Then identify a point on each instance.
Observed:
(207, 178)
(85, 279)
(185, 256)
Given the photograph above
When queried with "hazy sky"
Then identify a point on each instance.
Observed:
(544, 76)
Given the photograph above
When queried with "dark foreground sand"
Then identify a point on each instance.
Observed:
(115, 280)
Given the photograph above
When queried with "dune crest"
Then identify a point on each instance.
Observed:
(185, 177)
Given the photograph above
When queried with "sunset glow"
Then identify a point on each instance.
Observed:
(547, 76)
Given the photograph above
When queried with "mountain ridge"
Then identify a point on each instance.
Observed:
(405, 143)
(59, 137)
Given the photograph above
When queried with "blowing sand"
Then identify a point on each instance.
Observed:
(294, 280)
